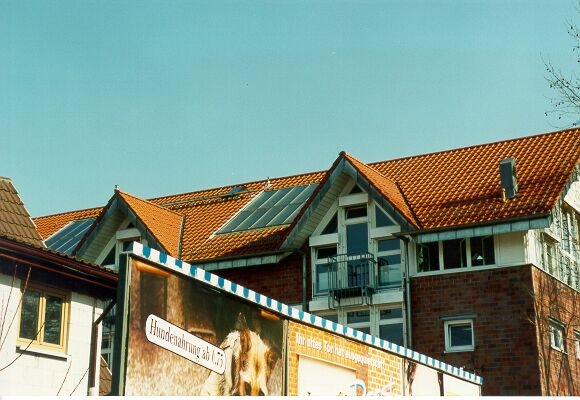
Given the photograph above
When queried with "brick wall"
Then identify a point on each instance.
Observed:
(505, 354)
(335, 349)
(281, 281)
(560, 370)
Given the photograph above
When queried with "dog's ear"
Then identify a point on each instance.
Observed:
(241, 323)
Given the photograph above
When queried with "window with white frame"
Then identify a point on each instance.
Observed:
(577, 343)
(560, 246)
(356, 235)
(389, 262)
(359, 320)
(455, 253)
(390, 325)
(322, 266)
(557, 335)
(459, 335)
(384, 321)
(43, 317)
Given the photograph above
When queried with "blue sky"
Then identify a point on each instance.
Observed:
(164, 97)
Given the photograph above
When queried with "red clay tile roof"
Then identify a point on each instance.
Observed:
(15, 221)
(386, 186)
(164, 224)
(461, 187)
(438, 190)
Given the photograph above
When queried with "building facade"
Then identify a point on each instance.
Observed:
(49, 305)
(470, 255)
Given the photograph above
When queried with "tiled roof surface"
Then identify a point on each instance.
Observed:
(164, 224)
(14, 219)
(51, 224)
(462, 186)
(386, 186)
(437, 190)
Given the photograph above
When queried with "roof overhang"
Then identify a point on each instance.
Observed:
(520, 225)
(91, 276)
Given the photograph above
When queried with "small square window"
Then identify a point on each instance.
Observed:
(459, 335)
(557, 335)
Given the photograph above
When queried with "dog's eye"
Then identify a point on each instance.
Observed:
(248, 388)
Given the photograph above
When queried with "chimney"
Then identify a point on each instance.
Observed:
(508, 178)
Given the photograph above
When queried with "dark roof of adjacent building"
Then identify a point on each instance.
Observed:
(15, 220)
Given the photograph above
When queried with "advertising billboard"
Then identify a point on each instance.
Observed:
(182, 331)
(186, 339)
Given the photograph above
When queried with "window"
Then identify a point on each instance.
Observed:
(43, 318)
(557, 335)
(391, 325)
(428, 257)
(323, 267)
(459, 335)
(577, 343)
(389, 262)
(359, 320)
(455, 253)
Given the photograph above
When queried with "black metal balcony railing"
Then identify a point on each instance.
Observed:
(352, 275)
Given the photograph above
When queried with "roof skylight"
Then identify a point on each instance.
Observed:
(270, 208)
(65, 240)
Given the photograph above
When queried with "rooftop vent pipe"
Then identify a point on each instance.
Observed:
(508, 178)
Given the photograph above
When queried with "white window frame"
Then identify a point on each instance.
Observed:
(451, 323)
(468, 261)
(557, 331)
(390, 321)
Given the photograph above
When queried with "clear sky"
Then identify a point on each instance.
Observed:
(164, 97)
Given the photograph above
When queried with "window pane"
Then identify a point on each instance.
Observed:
(356, 212)
(392, 332)
(325, 252)
(29, 314)
(353, 317)
(391, 313)
(428, 257)
(357, 238)
(460, 335)
(454, 253)
(322, 271)
(332, 226)
(389, 269)
(382, 219)
(389, 245)
(53, 319)
(482, 252)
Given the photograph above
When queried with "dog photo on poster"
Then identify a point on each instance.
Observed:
(186, 338)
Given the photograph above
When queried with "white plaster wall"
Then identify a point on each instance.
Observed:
(47, 374)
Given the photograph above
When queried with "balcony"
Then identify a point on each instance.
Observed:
(351, 279)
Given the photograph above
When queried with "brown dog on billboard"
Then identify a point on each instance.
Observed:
(188, 339)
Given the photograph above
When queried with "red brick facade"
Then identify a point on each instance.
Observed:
(306, 341)
(282, 281)
(508, 346)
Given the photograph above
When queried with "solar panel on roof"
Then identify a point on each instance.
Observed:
(270, 208)
(65, 240)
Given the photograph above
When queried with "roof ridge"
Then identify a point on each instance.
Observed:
(516, 139)
(237, 184)
(149, 203)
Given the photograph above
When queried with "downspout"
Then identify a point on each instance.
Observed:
(408, 337)
(94, 349)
